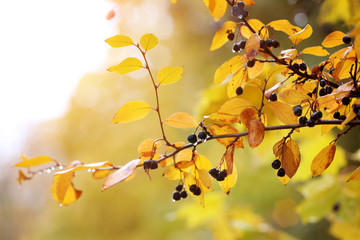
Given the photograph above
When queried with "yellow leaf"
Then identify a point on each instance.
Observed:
(147, 147)
(124, 173)
(238, 80)
(283, 112)
(317, 51)
(221, 35)
(289, 54)
(247, 116)
(225, 129)
(172, 173)
(256, 25)
(174, 1)
(302, 35)
(148, 41)
(71, 195)
(119, 41)
(333, 39)
(323, 159)
(131, 111)
(256, 133)
(130, 64)
(252, 46)
(355, 175)
(205, 178)
(229, 67)
(255, 70)
(292, 96)
(181, 120)
(99, 174)
(345, 230)
(169, 75)
(224, 118)
(234, 106)
(229, 181)
(184, 155)
(30, 162)
(217, 8)
(22, 177)
(285, 26)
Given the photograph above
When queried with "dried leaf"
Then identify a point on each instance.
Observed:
(323, 159)
(124, 173)
(285, 26)
(131, 111)
(252, 46)
(225, 129)
(302, 35)
(355, 175)
(229, 181)
(229, 67)
(181, 120)
(247, 115)
(283, 112)
(119, 41)
(292, 96)
(221, 35)
(130, 64)
(169, 75)
(234, 106)
(30, 162)
(317, 51)
(256, 133)
(277, 149)
(148, 41)
(229, 158)
(333, 39)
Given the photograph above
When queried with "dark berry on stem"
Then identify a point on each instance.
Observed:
(297, 110)
(356, 108)
(192, 138)
(262, 43)
(236, 47)
(345, 101)
(322, 92)
(239, 91)
(176, 196)
(275, 44)
(192, 188)
(224, 172)
(342, 117)
(268, 42)
(197, 191)
(179, 187)
(273, 97)
(302, 121)
(240, 4)
(276, 164)
(302, 66)
(316, 116)
(154, 164)
(310, 123)
(281, 172)
(147, 164)
(296, 66)
(331, 70)
(322, 82)
(183, 194)
(242, 44)
(220, 177)
(336, 115)
(251, 63)
(328, 89)
(346, 39)
(202, 135)
(231, 36)
(214, 172)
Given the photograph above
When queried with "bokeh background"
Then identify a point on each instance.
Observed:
(57, 99)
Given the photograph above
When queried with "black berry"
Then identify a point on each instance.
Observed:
(262, 43)
(346, 39)
(176, 196)
(275, 44)
(179, 187)
(316, 116)
(356, 108)
(302, 120)
(322, 82)
(322, 92)
(231, 36)
(147, 164)
(192, 138)
(251, 63)
(220, 177)
(297, 110)
(202, 135)
(154, 165)
(310, 123)
(273, 97)
(183, 194)
(336, 207)
(239, 91)
(240, 4)
(328, 89)
(342, 117)
(296, 66)
(214, 172)
(336, 115)
(242, 44)
(197, 191)
(345, 101)
(192, 188)
(276, 164)
(331, 70)
(302, 66)
(224, 172)
(281, 172)
(239, 12)
(268, 42)
(236, 47)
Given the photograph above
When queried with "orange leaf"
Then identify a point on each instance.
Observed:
(22, 177)
(110, 15)
(355, 175)
(255, 70)
(290, 159)
(285, 26)
(224, 118)
(119, 41)
(302, 35)
(131, 111)
(256, 133)
(247, 116)
(283, 112)
(225, 129)
(130, 64)
(147, 147)
(292, 96)
(289, 54)
(148, 41)
(124, 173)
(252, 46)
(217, 8)
(249, 2)
(333, 39)
(234, 106)
(181, 120)
(229, 67)
(221, 35)
(277, 149)
(323, 159)
(317, 51)
(30, 162)
(229, 159)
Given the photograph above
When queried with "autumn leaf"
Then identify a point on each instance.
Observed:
(256, 25)
(169, 75)
(301, 35)
(252, 46)
(148, 41)
(90, 166)
(110, 15)
(229, 67)
(256, 133)
(217, 8)
(283, 112)
(148, 147)
(290, 159)
(333, 39)
(285, 26)
(290, 54)
(229, 181)
(323, 159)
(234, 106)
(277, 148)
(247, 115)
(221, 35)
(172, 173)
(119, 41)
(292, 96)
(224, 118)
(131, 111)
(316, 51)
(30, 162)
(225, 129)
(130, 64)
(22, 177)
(229, 159)
(125, 173)
(181, 120)
(355, 175)
(239, 79)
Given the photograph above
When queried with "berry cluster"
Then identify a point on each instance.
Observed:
(302, 66)
(239, 11)
(269, 43)
(314, 117)
(150, 164)
(195, 189)
(276, 164)
(179, 193)
(192, 138)
(218, 175)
